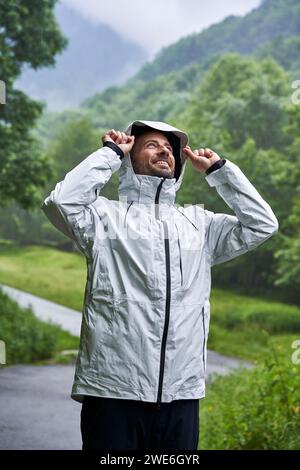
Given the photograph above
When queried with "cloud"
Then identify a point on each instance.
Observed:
(158, 23)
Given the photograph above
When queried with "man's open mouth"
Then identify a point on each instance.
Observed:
(162, 163)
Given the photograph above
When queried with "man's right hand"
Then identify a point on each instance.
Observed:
(124, 141)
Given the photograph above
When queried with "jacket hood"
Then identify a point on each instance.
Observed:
(142, 188)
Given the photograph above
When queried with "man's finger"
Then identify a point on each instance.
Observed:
(208, 152)
(189, 152)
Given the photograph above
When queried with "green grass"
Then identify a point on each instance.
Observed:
(233, 311)
(239, 323)
(28, 339)
(46, 272)
(250, 344)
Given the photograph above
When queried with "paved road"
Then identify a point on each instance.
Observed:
(67, 318)
(36, 411)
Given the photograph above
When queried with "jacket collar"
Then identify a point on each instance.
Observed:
(143, 188)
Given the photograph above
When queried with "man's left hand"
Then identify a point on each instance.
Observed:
(201, 158)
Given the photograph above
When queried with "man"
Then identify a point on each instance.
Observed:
(141, 364)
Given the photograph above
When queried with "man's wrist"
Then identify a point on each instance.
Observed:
(114, 147)
(215, 166)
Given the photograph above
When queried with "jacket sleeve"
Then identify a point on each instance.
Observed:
(228, 236)
(70, 205)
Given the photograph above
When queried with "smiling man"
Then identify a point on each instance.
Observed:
(141, 365)
(152, 154)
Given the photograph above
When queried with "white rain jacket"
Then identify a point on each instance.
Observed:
(146, 305)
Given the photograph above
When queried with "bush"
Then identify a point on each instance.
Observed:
(27, 338)
(254, 409)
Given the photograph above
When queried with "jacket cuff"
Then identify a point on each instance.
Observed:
(114, 147)
(218, 164)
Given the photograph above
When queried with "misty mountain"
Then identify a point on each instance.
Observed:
(95, 58)
(273, 20)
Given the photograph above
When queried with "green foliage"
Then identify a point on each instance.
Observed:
(238, 99)
(76, 140)
(28, 339)
(254, 409)
(285, 50)
(73, 141)
(242, 109)
(28, 34)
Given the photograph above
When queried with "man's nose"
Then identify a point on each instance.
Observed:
(164, 149)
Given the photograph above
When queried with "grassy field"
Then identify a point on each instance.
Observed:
(46, 272)
(240, 325)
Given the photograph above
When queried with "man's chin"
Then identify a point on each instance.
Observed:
(162, 172)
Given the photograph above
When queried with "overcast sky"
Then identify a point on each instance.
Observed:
(157, 23)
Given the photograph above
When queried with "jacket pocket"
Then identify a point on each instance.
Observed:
(204, 342)
(190, 243)
(205, 313)
(131, 267)
(101, 283)
(180, 255)
(102, 335)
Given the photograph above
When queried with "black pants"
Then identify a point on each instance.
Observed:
(117, 424)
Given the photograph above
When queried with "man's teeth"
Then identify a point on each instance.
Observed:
(162, 162)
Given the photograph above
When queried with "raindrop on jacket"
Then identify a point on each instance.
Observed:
(146, 311)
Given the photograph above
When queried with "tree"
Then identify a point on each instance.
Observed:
(242, 110)
(288, 253)
(29, 34)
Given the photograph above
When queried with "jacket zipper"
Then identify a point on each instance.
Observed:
(127, 212)
(204, 340)
(168, 297)
(180, 261)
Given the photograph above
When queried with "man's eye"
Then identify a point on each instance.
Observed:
(168, 147)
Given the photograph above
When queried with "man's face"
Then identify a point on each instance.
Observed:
(152, 154)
